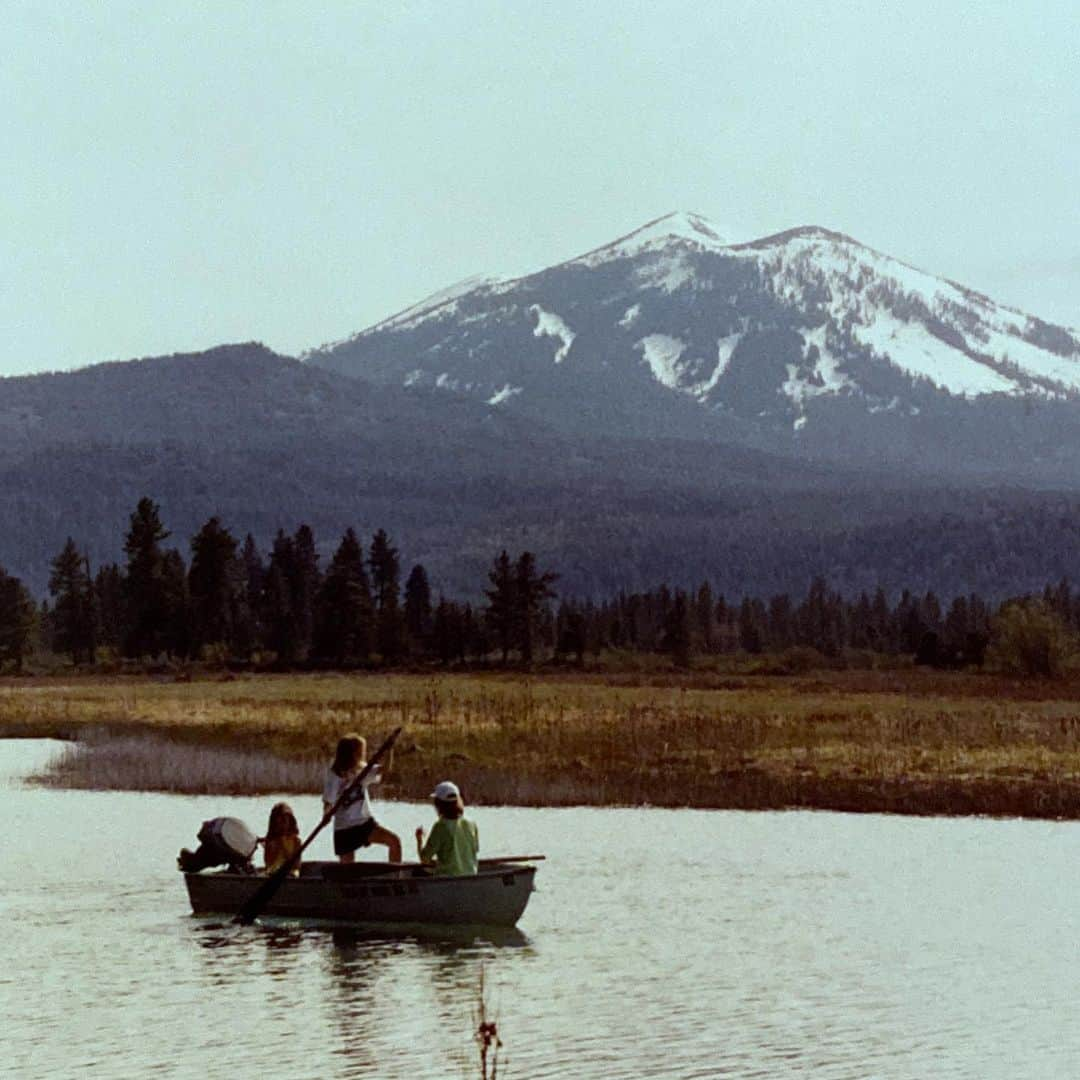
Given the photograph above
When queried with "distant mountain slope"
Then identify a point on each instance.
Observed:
(807, 344)
(266, 442)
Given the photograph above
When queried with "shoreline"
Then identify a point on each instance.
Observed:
(903, 744)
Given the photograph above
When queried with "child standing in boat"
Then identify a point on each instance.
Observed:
(454, 842)
(354, 822)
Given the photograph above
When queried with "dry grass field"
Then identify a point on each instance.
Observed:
(899, 741)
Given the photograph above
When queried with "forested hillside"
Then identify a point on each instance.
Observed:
(265, 442)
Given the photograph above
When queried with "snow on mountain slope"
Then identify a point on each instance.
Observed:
(774, 332)
(549, 325)
(932, 328)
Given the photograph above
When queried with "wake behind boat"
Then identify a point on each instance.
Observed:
(376, 892)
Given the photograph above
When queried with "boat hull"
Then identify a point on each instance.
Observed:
(374, 893)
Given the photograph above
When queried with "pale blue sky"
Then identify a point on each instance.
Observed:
(180, 175)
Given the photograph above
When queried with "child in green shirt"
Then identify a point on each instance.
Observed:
(454, 842)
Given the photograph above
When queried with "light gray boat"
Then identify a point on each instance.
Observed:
(376, 892)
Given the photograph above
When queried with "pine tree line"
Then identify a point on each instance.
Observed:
(684, 623)
(229, 603)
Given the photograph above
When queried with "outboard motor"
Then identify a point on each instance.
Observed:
(222, 841)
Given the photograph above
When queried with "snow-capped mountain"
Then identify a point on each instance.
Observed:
(805, 339)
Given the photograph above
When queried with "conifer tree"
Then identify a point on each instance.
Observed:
(177, 638)
(632, 621)
(978, 636)
(751, 625)
(447, 631)
(304, 586)
(109, 605)
(248, 625)
(213, 584)
(726, 629)
(280, 625)
(502, 603)
(703, 615)
(861, 634)
(386, 592)
(881, 624)
(343, 612)
(614, 628)
(474, 643)
(781, 622)
(571, 632)
(531, 591)
(908, 622)
(658, 608)
(17, 618)
(418, 623)
(677, 632)
(73, 618)
(146, 603)
(292, 583)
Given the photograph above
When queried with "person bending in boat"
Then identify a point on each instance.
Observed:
(354, 822)
(282, 840)
(454, 842)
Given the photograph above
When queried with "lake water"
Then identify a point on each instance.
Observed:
(659, 944)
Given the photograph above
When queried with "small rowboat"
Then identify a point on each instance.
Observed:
(376, 892)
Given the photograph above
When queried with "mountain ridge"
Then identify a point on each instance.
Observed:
(790, 337)
(656, 409)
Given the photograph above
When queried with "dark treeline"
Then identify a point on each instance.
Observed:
(683, 624)
(230, 603)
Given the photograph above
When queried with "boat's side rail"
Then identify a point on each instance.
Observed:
(362, 871)
(335, 870)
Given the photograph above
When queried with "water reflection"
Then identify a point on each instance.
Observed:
(434, 937)
(282, 937)
(370, 992)
(215, 933)
(233, 951)
(358, 1004)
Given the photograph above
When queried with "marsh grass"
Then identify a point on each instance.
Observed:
(147, 762)
(908, 742)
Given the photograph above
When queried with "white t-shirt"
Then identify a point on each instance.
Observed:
(354, 813)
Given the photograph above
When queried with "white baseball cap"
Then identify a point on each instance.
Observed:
(446, 790)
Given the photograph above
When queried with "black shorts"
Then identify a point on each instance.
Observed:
(358, 836)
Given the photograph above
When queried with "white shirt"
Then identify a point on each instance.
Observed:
(354, 813)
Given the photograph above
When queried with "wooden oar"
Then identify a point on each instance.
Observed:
(265, 893)
(512, 858)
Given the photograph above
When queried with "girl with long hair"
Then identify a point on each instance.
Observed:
(354, 821)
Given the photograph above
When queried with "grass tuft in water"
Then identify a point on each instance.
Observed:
(486, 1032)
(103, 762)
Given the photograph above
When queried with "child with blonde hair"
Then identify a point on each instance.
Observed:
(282, 840)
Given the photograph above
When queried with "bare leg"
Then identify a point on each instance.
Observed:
(348, 857)
(379, 835)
